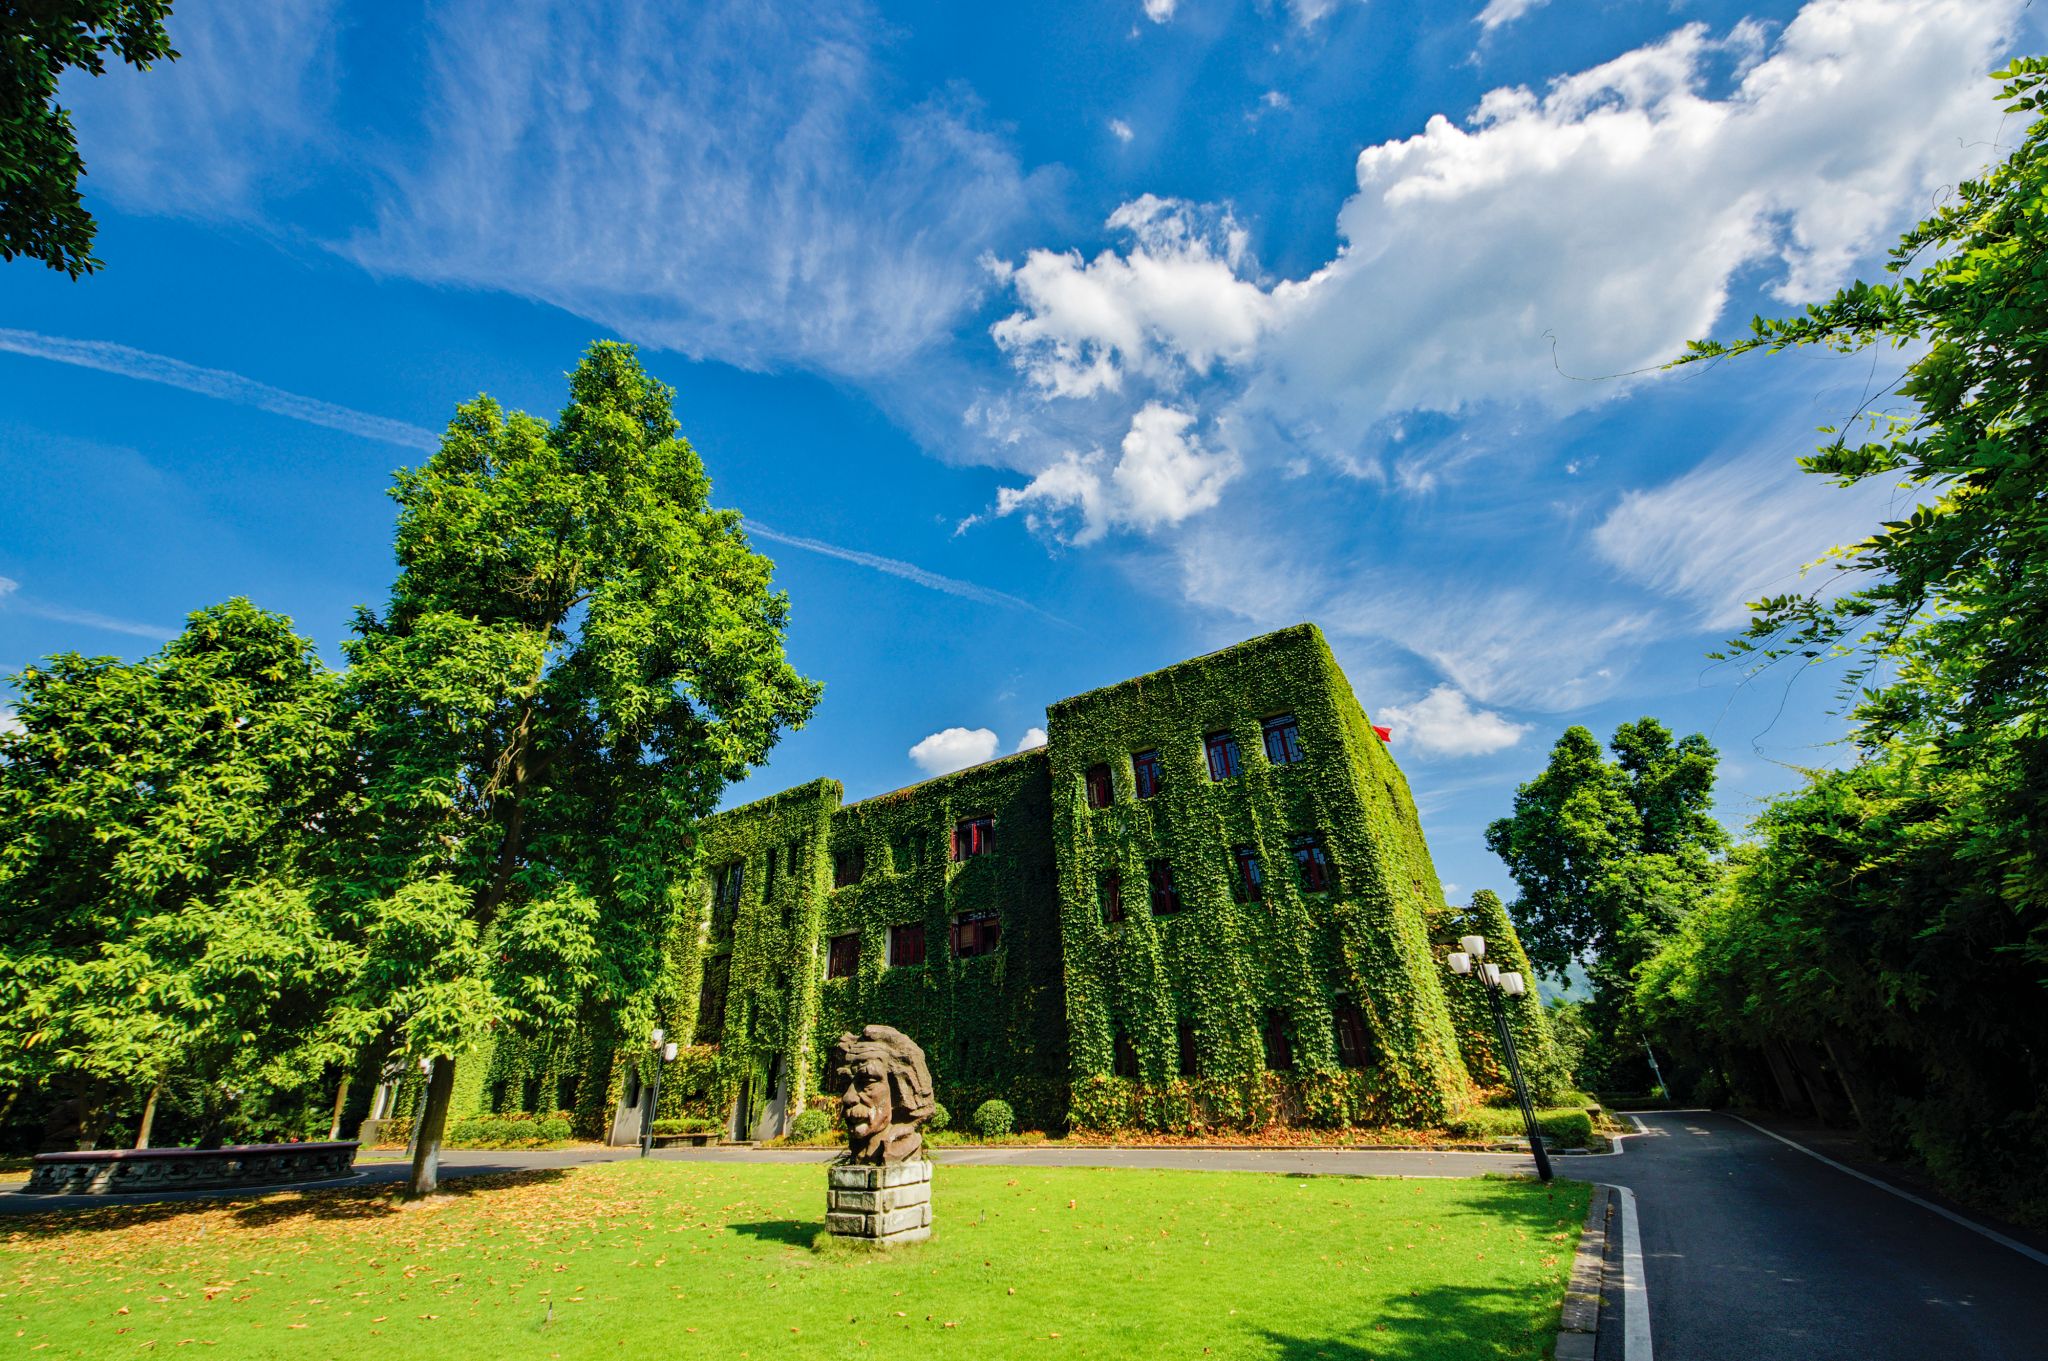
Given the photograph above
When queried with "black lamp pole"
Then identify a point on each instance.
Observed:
(1474, 963)
(662, 1054)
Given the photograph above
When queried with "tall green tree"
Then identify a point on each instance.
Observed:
(42, 214)
(578, 656)
(160, 824)
(1610, 854)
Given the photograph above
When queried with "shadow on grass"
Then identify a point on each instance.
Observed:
(337, 1203)
(1443, 1323)
(795, 1232)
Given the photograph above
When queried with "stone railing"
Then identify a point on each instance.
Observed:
(117, 1171)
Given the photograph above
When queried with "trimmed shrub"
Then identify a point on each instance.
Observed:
(809, 1125)
(1561, 1125)
(941, 1117)
(993, 1119)
(687, 1124)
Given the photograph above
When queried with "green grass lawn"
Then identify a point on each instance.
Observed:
(678, 1259)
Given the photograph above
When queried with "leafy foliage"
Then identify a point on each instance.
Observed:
(993, 1120)
(1543, 1063)
(161, 824)
(578, 655)
(810, 1125)
(42, 215)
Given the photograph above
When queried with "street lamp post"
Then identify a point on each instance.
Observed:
(663, 1053)
(1469, 958)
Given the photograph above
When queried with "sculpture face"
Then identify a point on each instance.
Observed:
(885, 1093)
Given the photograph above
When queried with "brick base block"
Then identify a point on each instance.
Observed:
(888, 1204)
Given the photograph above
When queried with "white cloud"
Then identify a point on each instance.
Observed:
(1120, 130)
(236, 118)
(895, 567)
(1499, 12)
(1605, 217)
(952, 749)
(1174, 304)
(13, 600)
(1159, 11)
(1443, 722)
(217, 383)
(1162, 475)
(1033, 737)
(732, 181)
(8, 722)
(1737, 529)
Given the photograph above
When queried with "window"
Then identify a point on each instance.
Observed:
(565, 1093)
(903, 854)
(768, 873)
(796, 864)
(849, 866)
(1165, 900)
(1146, 773)
(973, 836)
(1354, 1050)
(711, 999)
(906, 945)
(1279, 1052)
(1190, 1057)
(1125, 1061)
(1100, 792)
(1283, 740)
(1314, 863)
(844, 959)
(1251, 880)
(1109, 891)
(1224, 761)
(976, 933)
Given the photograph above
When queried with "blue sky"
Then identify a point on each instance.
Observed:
(1044, 347)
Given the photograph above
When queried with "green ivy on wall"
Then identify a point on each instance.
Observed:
(1223, 963)
(1472, 1016)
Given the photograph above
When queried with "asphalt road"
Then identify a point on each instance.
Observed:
(1755, 1250)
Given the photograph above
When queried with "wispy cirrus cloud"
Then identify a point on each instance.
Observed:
(145, 367)
(14, 602)
(896, 567)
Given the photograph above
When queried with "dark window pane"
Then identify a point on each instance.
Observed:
(711, 999)
(1145, 772)
(768, 867)
(906, 944)
(1100, 791)
(976, 933)
(1251, 880)
(1279, 1050)
(1283, 740)
(849, 866)
(1165, 900)
(1109, 891)
(1190, 1057)
(1125, 1063)
(973, 836)
(1354, 1050)
(844, 959)
(1314, 863)
(796, 857)
(565, 1093)
(1224, 761)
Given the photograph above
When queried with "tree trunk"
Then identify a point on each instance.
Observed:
(149, 1115)
(340, 1100)
(429, 1122)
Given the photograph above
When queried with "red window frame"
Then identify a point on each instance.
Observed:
(1283, 740)
(906, 944)
(1101, 792)
(976, 934)
(842, 957)
(973, 836)
(1146, 773)
(1225, 761)
(1251, 879)
(1165, 898)
(1314, 863)
(1109, 891)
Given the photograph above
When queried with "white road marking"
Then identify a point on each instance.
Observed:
(1635, 1290)
(1972, 1225)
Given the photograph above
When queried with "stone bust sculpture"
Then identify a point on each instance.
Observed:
(885, 1093)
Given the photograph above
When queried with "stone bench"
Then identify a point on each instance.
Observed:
(119, 1171)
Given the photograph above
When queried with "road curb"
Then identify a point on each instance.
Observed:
(1578, 1326)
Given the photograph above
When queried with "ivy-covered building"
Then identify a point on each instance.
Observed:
(1206, 901)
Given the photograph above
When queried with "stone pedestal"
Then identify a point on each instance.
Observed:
(886, 1204)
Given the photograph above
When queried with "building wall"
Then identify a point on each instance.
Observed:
(1038, 1021)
